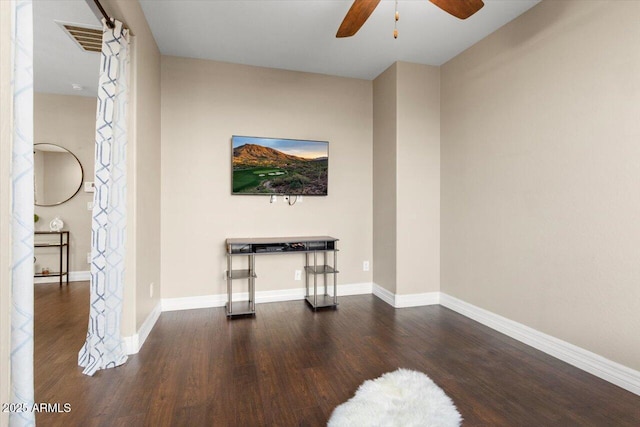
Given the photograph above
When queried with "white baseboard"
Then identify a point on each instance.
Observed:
(148, 324)
(416, 300)
(597, 365)
(355, 289)
(409, 300)
(189, 303)
(74, 276)
(219, 300)
(131, 344)
(134, 343)
(385, 295)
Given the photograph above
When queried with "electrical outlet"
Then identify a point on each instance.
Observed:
(365, 266)
(88, 257)
(89, 206)
(151, 290)
(298, 275)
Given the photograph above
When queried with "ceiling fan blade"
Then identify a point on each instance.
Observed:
(356, 17)
(459, 8)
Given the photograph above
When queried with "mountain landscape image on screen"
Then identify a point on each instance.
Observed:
(262, 169)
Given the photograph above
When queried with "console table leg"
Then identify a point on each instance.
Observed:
(229, 308)
(68, 244)
(306, 275)
(252, 283)
(315, 281)
(324, 273)
(61, 248)
(335, 277)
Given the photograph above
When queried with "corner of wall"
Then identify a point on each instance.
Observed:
(384, 178)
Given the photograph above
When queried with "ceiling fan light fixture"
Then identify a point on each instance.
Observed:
(361, 10)
(395, 25)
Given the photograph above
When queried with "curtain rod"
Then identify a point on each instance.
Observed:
(109, 20)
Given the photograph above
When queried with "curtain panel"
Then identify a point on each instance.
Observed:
(22, 214)
(104, 346)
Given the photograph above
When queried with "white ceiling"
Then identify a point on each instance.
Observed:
(58, 62)
(300, 34)
(288, 34)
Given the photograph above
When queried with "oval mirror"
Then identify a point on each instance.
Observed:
(58, 174)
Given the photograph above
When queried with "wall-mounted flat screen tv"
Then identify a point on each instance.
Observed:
(279, 166)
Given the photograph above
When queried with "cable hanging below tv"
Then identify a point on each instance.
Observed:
(271, 166)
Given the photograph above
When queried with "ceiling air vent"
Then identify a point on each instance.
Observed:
(89, 39)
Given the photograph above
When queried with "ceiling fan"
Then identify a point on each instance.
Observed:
(361, 9)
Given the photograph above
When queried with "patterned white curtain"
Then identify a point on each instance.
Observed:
(104, 347)
(22, 214)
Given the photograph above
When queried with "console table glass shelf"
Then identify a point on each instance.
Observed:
(308, 245)
(61, 242)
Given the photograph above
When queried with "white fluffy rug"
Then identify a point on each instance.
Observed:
(401, 398)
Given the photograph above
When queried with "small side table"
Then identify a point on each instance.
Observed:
(62, 243)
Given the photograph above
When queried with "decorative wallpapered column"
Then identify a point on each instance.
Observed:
(104, 347)
(22, 214)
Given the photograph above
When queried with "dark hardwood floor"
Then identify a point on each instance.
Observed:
(289, 366)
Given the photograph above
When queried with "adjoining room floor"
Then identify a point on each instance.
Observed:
(289, 366)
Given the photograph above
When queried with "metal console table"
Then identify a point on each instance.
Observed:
(62, 243)
(308, 245)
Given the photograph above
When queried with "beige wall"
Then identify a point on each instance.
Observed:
(418, 178)
(540, 200)
(143, 174)
(384, 179)
(204, 103)
(6, 102)
(70, 122)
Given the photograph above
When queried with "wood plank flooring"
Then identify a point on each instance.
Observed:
(290, 366)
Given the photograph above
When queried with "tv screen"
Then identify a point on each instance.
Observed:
(279, 166)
